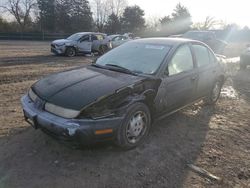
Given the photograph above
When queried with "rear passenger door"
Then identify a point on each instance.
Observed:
(206, 66)
(96, 42)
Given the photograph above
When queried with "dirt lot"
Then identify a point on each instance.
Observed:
(215, 138)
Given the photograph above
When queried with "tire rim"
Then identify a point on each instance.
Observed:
(71, 53)
(216, 91)
(136, 127)
(101, 50)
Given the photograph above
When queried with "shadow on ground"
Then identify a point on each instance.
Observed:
(33, 159)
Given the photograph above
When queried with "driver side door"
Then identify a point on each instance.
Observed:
(179, 81)
(85, 44)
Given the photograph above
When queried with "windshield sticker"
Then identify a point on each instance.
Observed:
(155, 47)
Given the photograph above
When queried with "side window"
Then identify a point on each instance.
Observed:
(202, 56)
(84, 38)
(212, 57)
(94, 37)
(181, 61)
(99, 37)
(116, 38)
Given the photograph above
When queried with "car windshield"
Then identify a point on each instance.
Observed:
(136, 56)
(75, 37)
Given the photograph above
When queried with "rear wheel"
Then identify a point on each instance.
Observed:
(214, 94)
(70, 52)
(135, 126)
(102, 49)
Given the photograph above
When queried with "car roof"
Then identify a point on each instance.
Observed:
(165, 41)
(87, 33)
(199, 31)
(112, 36)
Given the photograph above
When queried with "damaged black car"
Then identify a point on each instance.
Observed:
(119, 95)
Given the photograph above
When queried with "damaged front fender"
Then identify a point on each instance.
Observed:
(117, 103)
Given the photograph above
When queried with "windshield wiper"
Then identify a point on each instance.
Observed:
(120, 68)
(98, 66)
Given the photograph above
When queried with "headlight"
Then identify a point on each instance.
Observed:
(60, 111)
(97, 112)
(32, 95)
(101, 115)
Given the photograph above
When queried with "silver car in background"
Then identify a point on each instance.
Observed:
(83, 42)
(117, 40)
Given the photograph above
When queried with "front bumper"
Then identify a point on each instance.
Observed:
(57, 50)
(83, 131)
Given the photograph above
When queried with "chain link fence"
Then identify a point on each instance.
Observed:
(32, 36)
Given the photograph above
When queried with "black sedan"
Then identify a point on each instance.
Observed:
(119, 96)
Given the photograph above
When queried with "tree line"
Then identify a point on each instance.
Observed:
(109, 16)
(69, 16)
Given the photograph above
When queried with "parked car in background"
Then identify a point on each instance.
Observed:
(209, 38)
(245, 58)
(117, 40)
(129, 35)
(84, 42)
(119, 95)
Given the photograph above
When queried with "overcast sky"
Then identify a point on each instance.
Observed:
(230, 11)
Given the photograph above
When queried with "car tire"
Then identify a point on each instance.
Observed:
(135, 126)
(70, 52)
(214, 94)
(102, 49)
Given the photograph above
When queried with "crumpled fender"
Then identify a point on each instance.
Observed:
(118, 102)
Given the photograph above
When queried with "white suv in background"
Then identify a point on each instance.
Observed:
(83, 42)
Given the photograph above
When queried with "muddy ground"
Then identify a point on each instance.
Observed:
(215, 138)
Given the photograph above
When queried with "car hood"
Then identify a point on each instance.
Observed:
(77, 88)
(62, 41)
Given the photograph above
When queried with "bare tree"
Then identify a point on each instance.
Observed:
(209, 23)
(101, 13)
(20, 9)
(153, 23)
(118, 6)
(102, 9)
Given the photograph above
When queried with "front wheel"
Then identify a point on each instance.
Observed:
(214, 94)
(135, 126)
(70, 52)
